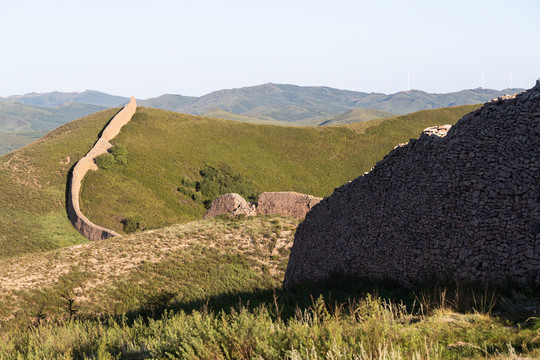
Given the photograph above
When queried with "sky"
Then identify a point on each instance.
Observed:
(194, 47)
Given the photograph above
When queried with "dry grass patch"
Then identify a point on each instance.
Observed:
(109, 262)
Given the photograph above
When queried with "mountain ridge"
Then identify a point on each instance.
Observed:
(58, 98)
(20, 124)
(279, 104)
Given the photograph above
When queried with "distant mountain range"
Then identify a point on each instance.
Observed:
(292, 103)
(20, 124)
(24, 118)
(56, 98)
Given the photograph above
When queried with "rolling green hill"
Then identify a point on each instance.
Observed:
(13, 140)
(165, 148)
(225, 115)
(33, 182)
(356, 115)
(21, 124)
(219, 113)
(57, 98)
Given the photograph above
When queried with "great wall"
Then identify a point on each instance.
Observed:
(463, 207)
(77, 218)
(275, 203)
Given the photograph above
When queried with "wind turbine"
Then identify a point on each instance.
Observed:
(408, 82)
(510, 81)
(483, 82)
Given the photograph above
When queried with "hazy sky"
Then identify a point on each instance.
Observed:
(148, 48)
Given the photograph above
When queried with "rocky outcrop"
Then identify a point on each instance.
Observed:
(291, 204)
(461, 207)
(79, 221)
(232, 204)
(286, 204)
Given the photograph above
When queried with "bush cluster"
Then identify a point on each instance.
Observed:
(217, 181)
(220, 180)
(133, 224)
(117, 155)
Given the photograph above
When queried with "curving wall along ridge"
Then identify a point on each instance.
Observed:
(79, 221)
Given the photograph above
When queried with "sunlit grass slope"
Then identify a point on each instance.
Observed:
(165, 147)
(33, 184)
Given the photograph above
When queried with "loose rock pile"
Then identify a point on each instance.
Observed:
(461, 207)
(233, 204)
(290, 204)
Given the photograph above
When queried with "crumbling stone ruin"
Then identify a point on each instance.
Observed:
(79, 221)
(289, 203)
(462, 207)
(233, 204)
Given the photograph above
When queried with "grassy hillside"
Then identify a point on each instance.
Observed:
(33, 183)
(211, 290)
(218, 113)
(168, 102)
(21, 124)
(16, 116)
(356, 115)
(13, 140)
(164, 148)
(225, 115)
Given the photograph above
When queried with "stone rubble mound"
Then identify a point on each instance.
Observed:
(462, 207)
(290, 203)
(233, 204)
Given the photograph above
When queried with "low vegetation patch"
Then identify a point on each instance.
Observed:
(105, 161)
(220, 180)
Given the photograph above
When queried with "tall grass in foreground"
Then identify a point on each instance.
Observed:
(371, 328)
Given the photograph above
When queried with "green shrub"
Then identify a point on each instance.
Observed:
(121, 159)
(188, 182)
(105, 161)
(221, 180)
(119, 150)
(185, 191)
(133, 224)
(197, 196)
(120, 154)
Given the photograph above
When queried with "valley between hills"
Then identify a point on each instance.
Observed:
(181, 287)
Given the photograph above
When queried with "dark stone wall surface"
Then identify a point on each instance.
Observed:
(461, 207)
